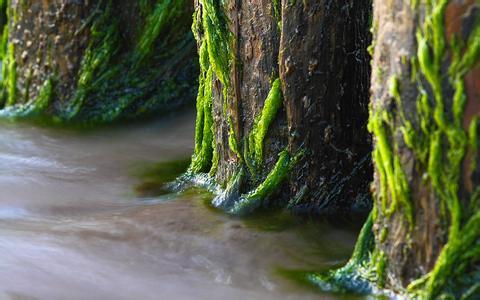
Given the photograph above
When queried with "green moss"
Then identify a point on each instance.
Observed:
(439, 144)
(472, 292)
(277, 12)
(253, 200)
(472, 53)
(414, 4)
(45, 97)
(393, 182)
(383, 235)
(11, 79)
(96, 60)
(473, 138)
(215, 62)
(5, 28)
(395, 88)
(364, 243)
(232, 140)
(164, 13)
(119, 90)
(449, 141)
(380, 262)
(215, 160)
(272, 105)
(357, 275)
(218, 40)
(204, 140)
(35, 107)
(7, 56)
(199, 120)
(454, 258)
(3, 12)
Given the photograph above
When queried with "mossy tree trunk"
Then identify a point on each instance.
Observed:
(283, 103)
(96, 61)
(425, 115)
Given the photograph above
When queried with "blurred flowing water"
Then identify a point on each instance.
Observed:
(76, 223)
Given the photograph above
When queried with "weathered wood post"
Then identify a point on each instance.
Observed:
(283, 103)
(425, 113)
(96, 61)
(425, 116)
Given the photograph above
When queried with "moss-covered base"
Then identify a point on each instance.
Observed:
(358, 275)
(229, 198)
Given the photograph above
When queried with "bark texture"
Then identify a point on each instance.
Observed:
(325, 75)
(96, 61)
(283, 103)
(425, 114)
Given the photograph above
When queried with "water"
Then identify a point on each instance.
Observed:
(77, 221)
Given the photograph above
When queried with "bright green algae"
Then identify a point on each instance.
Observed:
(448, 143)
(215, 62)
(262, 123)
(156, 22)
(357, 274)
(133, 78)
(119, 79)
(254, 199)
(202, 158)
(9, 72)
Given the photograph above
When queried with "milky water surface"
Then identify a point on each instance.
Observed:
(73, 227)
